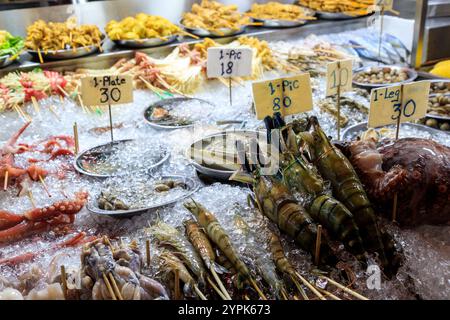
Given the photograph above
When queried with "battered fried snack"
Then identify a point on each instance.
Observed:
(212, 15)
(142, 26)
(349, 7)
(279, 11)
(52, 36)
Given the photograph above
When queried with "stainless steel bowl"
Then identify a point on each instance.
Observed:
(412, 75)
(223, 32)
(79, 167)
(275, 23)
(5, 61)
(190, 183)
(66, 53)
(145, 43)
(337, 15)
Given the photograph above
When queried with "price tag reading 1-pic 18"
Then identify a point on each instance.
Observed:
(387, 106)
(288, 96)
(229, 62)
(107, 90)
(339, 73)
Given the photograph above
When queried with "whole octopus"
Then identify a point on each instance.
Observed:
(416, 170)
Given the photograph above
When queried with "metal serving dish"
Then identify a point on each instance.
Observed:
(222, 32)
(337, 15)
(275, 23)
(219, 171)
(412, 75)
(146, 43)
(190, 184)
(66, 53)
(169, 104)
(5, 61)
(93, 152)
(354, 131)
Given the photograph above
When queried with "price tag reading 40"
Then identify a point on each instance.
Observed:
(388, 105)
(339, 74)
(107, 90)
(229, 62)
(289, 95)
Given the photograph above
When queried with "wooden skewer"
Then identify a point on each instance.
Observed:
(284, 294)
(28, 117)
(255, 285)
(44, 185)
(20, 114)
(328, 294)
(246, 297)
(40, 56)
(189, 34)
(318, 242)
(30, 196)
(64, 281)
(177, 284)
(5, 186)
(299, 288)
(219, 282)
(63, 91)
(115, 287)
(54, 112)
(35, 105)
(61, 99)
(75, 136)
(108, 285)
(310, 287)
(199, 293)
(147, 250)
(211, 283)
(349, 291)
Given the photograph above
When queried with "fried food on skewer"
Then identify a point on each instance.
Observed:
(279, 11)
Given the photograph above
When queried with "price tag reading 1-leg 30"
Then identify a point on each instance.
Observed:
(339, 74)
(229, 62)
(290, 95)
(107, 90)
(388, 105)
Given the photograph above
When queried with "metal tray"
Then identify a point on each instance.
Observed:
(80, 169)
(212, 172)
(223, 32)
(412, 75)
(337, 15)
(357, 129)
(275, 23)
(67, 53)
(190, 183)
(145, 43)
(168, 125)
(5, 61)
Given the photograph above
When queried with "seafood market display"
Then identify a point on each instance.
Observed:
(174, 197)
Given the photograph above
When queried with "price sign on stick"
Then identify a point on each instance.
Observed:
(386, 4)
(228, 63)
(339, 76)
(107, 90)
(289, 95)
(389, 105)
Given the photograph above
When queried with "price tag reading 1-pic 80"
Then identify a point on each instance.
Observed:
(339, 74)
(388, 105)
(107, 90)
(290, 95)
(229, 62)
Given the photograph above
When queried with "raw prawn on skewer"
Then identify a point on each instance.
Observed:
(218, 235)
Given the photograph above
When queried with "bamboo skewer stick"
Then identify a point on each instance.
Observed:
(54, 112)
(246, 297)
(284, 294)
(328, 294)
(5, 186)
(348, 290)
(28, 117)
(30, 196)
(64, 281)
(211, 283)
(318, 242)
(221, 286)
(147, 250)
(299, 288)
(45, 186)
(63, 91)
(310, 287)
(75, 136)
(20, 114)
(199, 293)
(108, 285)
(40, 56)
(115, 287)
(35, 105)
(255, 285)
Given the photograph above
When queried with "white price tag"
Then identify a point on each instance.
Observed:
(229, 62)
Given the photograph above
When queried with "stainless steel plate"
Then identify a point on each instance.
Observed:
(190, 183)
(412, 75)
(169, 104)
(218, 173)
(275, 23)
(92, 152)
(5, 61)
(223, 32)
(337, 15)
(354, 131)
(145, 43)
(66, 54)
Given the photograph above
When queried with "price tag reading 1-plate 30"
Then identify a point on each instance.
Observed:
(290, 95)
(387, 106)
(339, 74)
(107, 90)
(229, 62)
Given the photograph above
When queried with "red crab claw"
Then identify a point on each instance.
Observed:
(36, 172)
(8, 219)
(9, 145)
